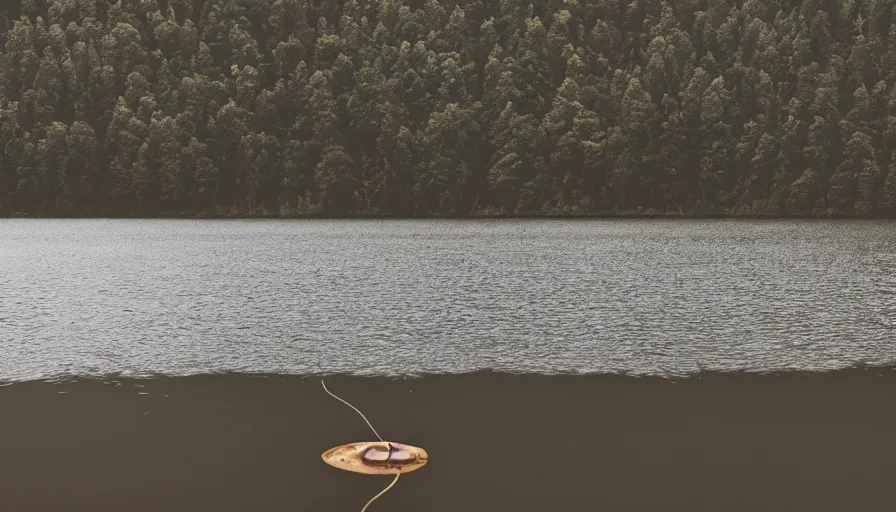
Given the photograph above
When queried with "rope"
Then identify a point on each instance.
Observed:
(381, 492)
(356, 410)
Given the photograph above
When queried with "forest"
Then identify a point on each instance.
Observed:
(406, 108)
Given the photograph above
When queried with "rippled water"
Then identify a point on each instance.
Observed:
(408, 297)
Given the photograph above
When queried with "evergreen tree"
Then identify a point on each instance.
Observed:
(293, 107)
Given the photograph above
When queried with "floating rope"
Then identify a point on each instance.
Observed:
(353, 407)
(381, 492)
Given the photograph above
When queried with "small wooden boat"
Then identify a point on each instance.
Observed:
(376, 457)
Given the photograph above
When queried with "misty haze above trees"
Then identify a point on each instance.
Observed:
(278, 107)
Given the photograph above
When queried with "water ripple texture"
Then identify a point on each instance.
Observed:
(367, 297)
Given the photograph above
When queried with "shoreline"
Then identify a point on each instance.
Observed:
(712, 441)
(634, 215)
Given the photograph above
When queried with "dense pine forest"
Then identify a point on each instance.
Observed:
(448, 107)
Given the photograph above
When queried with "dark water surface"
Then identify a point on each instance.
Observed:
(732, 442)
(178, 297)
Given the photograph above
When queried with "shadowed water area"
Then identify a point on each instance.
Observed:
(819, 442)
(179, 297)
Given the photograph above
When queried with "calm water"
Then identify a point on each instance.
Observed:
(408, 297)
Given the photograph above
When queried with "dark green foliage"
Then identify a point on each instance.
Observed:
(447, 107)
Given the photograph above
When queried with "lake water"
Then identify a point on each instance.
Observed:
(177, 297)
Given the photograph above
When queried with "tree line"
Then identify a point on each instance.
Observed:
(448, 107)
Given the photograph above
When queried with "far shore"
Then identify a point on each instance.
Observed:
(484, 216)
